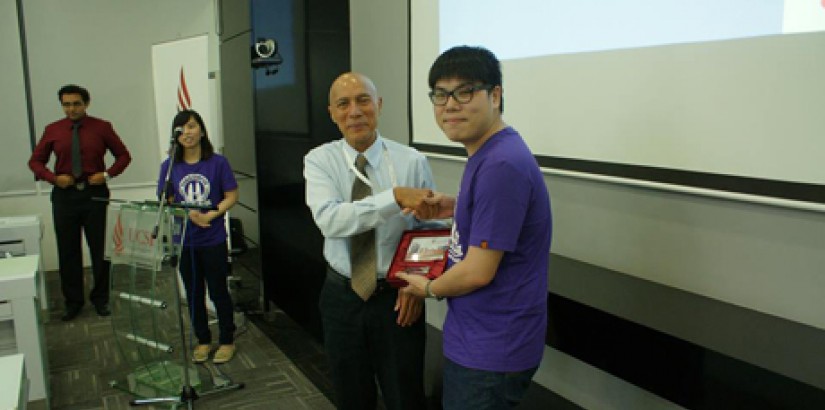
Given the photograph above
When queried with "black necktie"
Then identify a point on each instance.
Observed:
(362, 245)
(77, 162)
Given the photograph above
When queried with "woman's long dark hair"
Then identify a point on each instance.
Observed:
(180, 120)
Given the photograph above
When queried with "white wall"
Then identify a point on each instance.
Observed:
(378, 36)
(764, 258)
(104, 46)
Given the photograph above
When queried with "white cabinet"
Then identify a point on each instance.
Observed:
(20, 235)
(13, 382)
(18, 289)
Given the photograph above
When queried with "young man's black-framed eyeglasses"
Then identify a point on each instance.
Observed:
(462, 94)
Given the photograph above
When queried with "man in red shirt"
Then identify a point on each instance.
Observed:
(79, 142)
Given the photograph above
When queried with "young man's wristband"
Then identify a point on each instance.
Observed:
(428, 292)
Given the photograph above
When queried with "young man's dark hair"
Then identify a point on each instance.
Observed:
(467, 63)
(74, 89)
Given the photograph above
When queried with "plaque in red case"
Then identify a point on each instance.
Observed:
(422, 252)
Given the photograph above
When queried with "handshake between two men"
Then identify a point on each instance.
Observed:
(424, 203)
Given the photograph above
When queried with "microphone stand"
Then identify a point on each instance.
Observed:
(172, 150)
(221, 382)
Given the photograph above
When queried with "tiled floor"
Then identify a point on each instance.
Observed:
(84, 360)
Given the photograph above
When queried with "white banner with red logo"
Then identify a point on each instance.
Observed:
(181, 78)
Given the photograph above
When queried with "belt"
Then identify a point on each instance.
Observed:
(381, 285)
(80, 186)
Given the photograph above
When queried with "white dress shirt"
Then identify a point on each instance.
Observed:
(329, 180)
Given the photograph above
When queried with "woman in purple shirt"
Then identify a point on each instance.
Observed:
(203, 178)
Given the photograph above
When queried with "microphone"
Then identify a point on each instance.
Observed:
(176, 133)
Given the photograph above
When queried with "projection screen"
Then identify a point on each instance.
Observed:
(723, 95)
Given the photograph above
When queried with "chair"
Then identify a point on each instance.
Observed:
(237, 246)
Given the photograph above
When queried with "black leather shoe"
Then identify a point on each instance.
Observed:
(70, 314)
(103, 310)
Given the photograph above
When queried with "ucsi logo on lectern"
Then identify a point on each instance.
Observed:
(135, 238)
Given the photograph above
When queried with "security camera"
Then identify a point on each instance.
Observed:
(265, 55)
(265, 47)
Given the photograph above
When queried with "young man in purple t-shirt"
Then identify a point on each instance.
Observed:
(496, 283)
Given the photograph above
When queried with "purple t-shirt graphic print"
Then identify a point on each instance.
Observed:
(203, 183)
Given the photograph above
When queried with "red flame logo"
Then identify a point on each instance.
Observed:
(118, 236)
(184, 100)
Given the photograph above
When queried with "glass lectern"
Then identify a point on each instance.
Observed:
(148, 313)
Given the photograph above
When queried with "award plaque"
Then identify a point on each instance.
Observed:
(422, 252)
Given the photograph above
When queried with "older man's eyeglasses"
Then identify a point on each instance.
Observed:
(462, 94)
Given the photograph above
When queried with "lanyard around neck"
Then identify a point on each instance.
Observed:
(364, 178)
